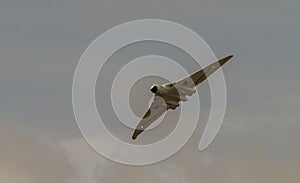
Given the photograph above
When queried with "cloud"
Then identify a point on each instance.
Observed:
(93, 168)
(24, 159)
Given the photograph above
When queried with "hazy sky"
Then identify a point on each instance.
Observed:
(42, 41)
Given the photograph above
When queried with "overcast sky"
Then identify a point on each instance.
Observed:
(42, 41)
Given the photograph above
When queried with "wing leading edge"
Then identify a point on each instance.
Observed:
(157, 108)
(201, 75)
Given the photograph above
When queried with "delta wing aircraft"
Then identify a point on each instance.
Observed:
(168, 96)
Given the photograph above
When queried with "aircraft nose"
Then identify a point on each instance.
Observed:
(153, 89)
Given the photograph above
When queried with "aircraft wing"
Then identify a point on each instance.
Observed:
(201, 75)
(157, 108)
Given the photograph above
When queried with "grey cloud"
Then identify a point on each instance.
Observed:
(24, 159)
(234, 163)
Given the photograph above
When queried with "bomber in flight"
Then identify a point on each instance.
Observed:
(168, 96)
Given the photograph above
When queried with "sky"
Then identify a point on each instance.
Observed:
(41, 44)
